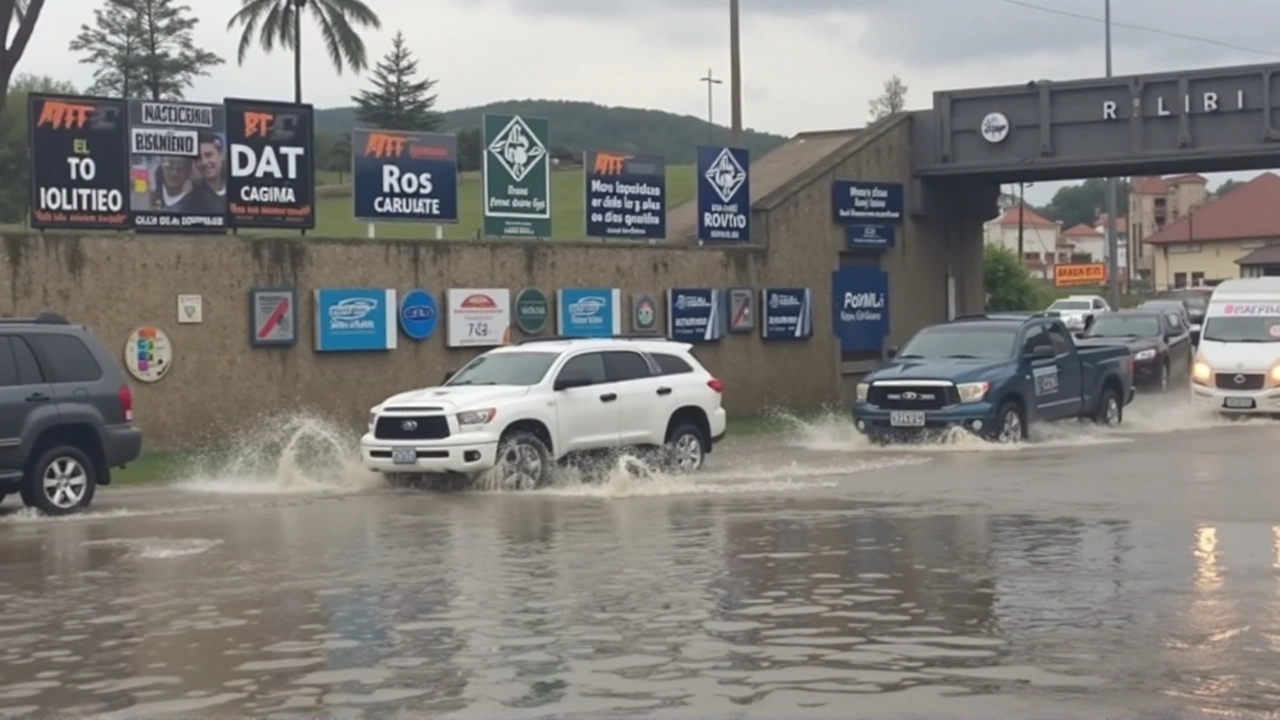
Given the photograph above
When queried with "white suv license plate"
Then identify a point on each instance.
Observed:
(906, 418)
(404, 456)
(1238, 402)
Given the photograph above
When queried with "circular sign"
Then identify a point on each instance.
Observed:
(532, 311)
(995, 127)
(418, 314)
(1274, 330)
(148, 354)
(644, 313)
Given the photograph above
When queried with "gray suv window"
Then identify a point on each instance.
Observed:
(69, 360)
(8, 367)
(28, 369)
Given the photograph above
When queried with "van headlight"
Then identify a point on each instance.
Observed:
(1275, 374)
(1145, 355)
(1201, 372)
(476, 418)
(973, 392)
(862, 391)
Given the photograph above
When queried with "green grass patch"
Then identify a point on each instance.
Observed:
(152, 468)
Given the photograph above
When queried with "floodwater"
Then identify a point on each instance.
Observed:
(1087, 573)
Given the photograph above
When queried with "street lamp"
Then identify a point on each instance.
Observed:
(1113, 242)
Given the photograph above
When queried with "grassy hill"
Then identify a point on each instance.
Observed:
(578, 126)
(568, 220)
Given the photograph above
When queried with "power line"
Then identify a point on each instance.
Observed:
(1142, 28)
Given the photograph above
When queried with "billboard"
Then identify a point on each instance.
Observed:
(724, 195)
(786, 313)
(860, 312)
(695, 315)
(404, 175)
(78, 158)
(1079, 274)
(863, 201)
(625, 195)
(177, 166)
(517, 177)
(478, 317)
(589, 312)
(355, 319)
(272, 173)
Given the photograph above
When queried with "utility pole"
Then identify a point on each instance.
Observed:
(1113, 242)
(735, 74)
(1022, 215)
(711, 82)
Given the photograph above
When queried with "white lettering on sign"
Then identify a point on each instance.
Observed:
(1251, 309)
(1208, 102)
(247, 163)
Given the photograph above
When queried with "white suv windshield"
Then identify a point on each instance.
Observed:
(505, 368)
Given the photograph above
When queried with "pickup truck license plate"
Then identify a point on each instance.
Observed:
(404, 456)
(906, 418)
(1238, 402)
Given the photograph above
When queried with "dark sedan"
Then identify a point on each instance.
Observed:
(1196, 301)
(1159, 340)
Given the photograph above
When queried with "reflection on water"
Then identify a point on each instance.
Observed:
(522, 606)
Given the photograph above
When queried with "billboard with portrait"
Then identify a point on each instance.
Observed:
(177, 166)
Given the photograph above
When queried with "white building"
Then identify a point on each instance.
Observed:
(1042, 243)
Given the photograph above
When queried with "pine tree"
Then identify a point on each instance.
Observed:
(397, 101)
(891, 100)
(143, 48)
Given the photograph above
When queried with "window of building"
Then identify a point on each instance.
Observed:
(1184, 248)
(1197, 279)
(1180, 280)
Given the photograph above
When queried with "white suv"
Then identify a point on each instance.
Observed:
(517, 410)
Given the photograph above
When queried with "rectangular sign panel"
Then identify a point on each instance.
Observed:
(400, 175)
(868, 237)
(589, 312)
(271, 158)
(1079, 274)
(517, 177)
(695, 315)
(478, 317)
(860, 201)
(355, 319)
(786, 313)
(79, 152)
(860, 312)
(273, 317)
(625, 195)
(177, 166)
(742, 310)
(724, 195)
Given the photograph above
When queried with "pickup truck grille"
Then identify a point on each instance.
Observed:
(1239, 381)
(912, 397)
(417, 427)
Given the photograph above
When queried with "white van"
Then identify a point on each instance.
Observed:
(1237, 366)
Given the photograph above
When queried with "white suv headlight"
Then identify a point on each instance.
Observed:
(476, 418)
(863, 389)
(973, 392)
(1144, 355)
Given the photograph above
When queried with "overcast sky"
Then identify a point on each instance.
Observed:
(807, 64)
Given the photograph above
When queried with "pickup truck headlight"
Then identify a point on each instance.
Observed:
(973, 392)
(1201, 372)
(476, 418)
(1145, 355)
(1275, 374)
(863, 389)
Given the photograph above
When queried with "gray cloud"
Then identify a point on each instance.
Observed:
(929, 34)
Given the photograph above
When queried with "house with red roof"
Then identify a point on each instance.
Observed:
(1087, 241)
(1042, 242)
(1237, 235)
(1155, 202)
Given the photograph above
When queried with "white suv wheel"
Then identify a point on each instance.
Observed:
(685, 449)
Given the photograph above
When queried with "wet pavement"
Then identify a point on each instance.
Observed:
(1087, 573)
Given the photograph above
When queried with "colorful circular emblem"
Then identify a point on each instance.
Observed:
(644, 313)
(148, 354)
(418, 314)
(532, 311)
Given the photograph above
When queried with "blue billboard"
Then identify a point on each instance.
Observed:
(724, 195)
(589, 312)
(407, 176)
(355, 319)
(868, 237)
(786, 313)
(626, 195)
(860, 312)
(855, 201)
(418, 314)
(695, 315)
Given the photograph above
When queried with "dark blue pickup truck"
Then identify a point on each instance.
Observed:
(993, 375)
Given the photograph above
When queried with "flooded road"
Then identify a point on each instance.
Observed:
(1089, 572)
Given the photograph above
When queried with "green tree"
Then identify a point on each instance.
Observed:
(279, 22)
(470, 155)
(398, 101)
(1008, 284)
(17, 22)
(1226, 187)
(892, 99)
(143, 48)
(1075, 204)
(14, 162)
(335, 153)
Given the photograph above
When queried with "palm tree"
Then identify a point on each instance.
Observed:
(280, 22)
(23, 14)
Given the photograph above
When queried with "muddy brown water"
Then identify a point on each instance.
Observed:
(1088, 573)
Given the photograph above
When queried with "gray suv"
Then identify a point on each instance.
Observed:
(66, 414)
